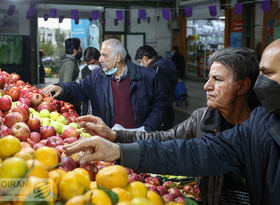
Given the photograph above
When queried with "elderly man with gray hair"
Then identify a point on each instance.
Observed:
(120, 91)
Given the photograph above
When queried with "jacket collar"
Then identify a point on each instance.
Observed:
(274, 128)
(133, 71)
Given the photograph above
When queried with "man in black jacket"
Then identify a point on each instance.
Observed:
(166, 73)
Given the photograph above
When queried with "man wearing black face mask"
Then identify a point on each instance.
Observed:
(252, 148)
(69, 68)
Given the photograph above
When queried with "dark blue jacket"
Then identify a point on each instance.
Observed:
(253, 148)
(146, 95)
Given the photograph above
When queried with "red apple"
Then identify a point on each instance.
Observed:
(44, 105)
(25, 145)
(25, 110)
(4, 130)
(169, 184)
(20, 83)
(67, 164)
(56, 104)
(188, 189)
(92, 170)
(12, 118)
(47, 131)
(34, 124)
(35, 137)
(152, 180)
(59, 149)
(5, 103)
(54, 141)
(36, 99)
(29, 141)
(14, 92)
(70, 140)
(162, 190)
(25, 101)
(2, 81)
(128, 170)
(14, 77)
(180, 200)
(43, 142)
(153, 188)
(168, 197)
(37, 146)
(70, 132)
(175, 191)
(134, 177)
(20, 130)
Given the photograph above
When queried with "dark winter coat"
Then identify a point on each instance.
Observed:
(253, 148)
(146, 95)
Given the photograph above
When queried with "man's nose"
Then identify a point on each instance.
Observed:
(209, 85)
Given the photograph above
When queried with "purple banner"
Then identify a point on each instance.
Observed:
(213, 11)
(74, 14)
(31, 12)
(119, 15)
(11, 10)
(166, 13)
(142, 14)
(188, 12)
(238, 8)
(266, 5)
(53, 13)
(77, 20)
(95, 15)
(46, 17)
(61, 19)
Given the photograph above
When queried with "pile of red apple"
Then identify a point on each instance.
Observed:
(169, 190)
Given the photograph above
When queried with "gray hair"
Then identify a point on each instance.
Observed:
(116, 46)
(243, 63)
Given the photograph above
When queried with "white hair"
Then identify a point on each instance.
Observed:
(116, 46)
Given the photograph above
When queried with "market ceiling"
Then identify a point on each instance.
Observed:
(152, 3)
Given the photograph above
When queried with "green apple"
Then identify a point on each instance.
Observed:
(85, 134)
(54, 115)
(44, 121)
(61, 119)
(73, 124)
(0, 94)
(44, 113)
(31, 110)
(81, 130)
(64, 128)
(57, 126)
(34, 114)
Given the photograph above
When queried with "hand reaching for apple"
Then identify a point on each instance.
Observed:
(96, 126)
(52, 89)
(95, 149)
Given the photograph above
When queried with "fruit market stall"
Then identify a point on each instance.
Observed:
(33, 166)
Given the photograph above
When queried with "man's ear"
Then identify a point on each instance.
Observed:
(244, 86)
(119, 57)
(74, 52)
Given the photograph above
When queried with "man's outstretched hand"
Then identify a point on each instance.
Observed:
(95, 126)
(52, 89)
(95, 149)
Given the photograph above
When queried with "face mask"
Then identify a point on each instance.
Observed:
(92, 66)
(267, 92)
(141, 64)
(112, 71)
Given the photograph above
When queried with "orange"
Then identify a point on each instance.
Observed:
(98, 197)
(141, 201)
(9, 145)
(56, 175)
(112, 176)
(26, 154)
(83, 177)
(47, 155)
(37, 169)
(137, 189)
(77, 200)
(155, 198)
(13, 167)
(123, 203)
(70, 186)
(122, 194)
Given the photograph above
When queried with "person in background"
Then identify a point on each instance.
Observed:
(120, 91)
(69, 68)
(230, 99)
(91, 57)
(179, 61)
(166, 73)
(252, 148)
(42, 72)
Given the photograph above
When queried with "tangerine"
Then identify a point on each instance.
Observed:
(137, 189)
(37, 169)
(155, 198)
(77, 200)
(123, 194)
(98, 197)
(47, 155)
(141, 201)
(9, 145)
